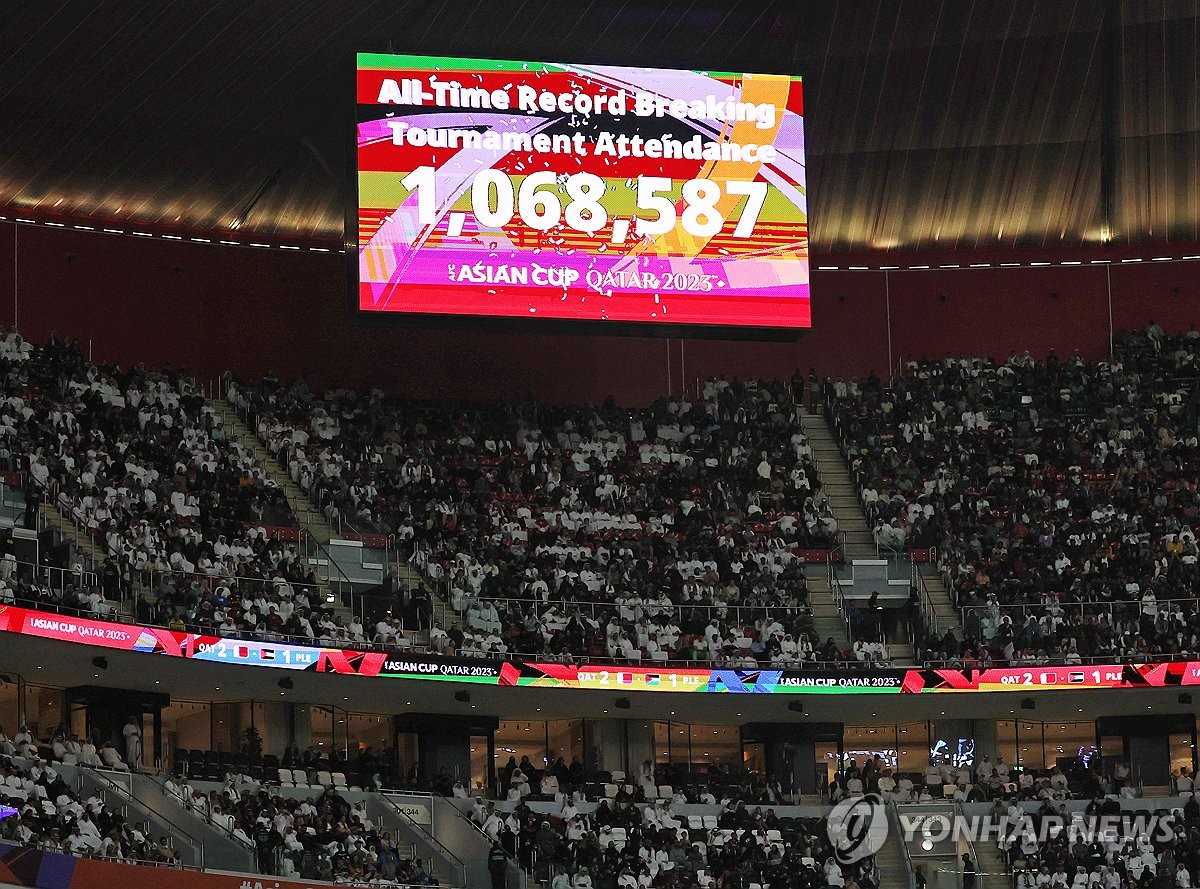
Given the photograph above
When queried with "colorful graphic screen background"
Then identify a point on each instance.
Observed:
(403, 266)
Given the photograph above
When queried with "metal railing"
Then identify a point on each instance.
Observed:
(928, 612)
(36, 843)
(1019, 612)
(453, 860)
(207, 817)
(743, 615)
(895, 831)
(176, 830)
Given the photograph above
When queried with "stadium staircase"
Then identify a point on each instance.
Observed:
(828, 622)
(945, 615)
(889, 861)
(85, 545)
(315, 526)
(990, 866)
(85, 549)
(140, 800)
(857, 541)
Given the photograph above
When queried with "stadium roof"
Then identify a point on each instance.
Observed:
(932, 124)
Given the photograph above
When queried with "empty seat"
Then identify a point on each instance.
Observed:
(300, 777)
(339, 779)
(665, 791)
(324, 779)
(710, 822)
(285, 777)
(610, 790)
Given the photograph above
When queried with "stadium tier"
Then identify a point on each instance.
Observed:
(709, 445)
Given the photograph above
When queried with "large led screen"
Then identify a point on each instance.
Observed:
(580, 192)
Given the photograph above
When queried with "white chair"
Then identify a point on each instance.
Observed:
(339, 779)
(695, 822)
(709, 822)
(618, 777)
(324, 779)
(665, 791)
(774, 835)
(300, 777)
(610, 791)
(285, 778)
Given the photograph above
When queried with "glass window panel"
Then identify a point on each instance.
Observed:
(521, 738)
(1029, 745)
(186, 725)
(564, 740)
(1068, 740)
(716, 743)
(480, 773)
(367, 731)
(9, 708)
(913, 742)
(680, 746)
(407, 747)
(1182, 753)
(43, 710)
(1006, 741)
(861, 743)
(322, 729)
(1112, 747)
(754, 758)
(662, 741)
(826, 764)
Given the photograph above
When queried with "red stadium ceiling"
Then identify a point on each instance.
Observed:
(932, 124)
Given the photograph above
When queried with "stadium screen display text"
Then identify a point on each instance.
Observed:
(580, 192)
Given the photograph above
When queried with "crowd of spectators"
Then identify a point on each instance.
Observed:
(675, 532)
(1050, 848)
(317, 837)
(51, 816)
(1058, 496)
(184, 516)
(620, 845)
(671, 532)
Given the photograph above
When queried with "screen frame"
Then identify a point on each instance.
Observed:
(515, 325)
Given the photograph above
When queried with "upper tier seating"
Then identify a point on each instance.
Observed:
(1060, 496)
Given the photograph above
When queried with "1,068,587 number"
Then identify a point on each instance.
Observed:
(495, 202)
